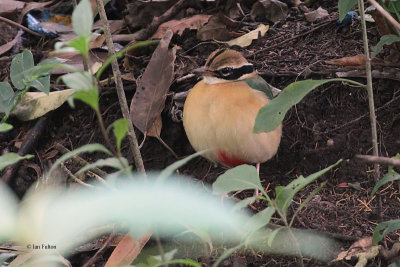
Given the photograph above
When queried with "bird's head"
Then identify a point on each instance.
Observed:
(225, 65)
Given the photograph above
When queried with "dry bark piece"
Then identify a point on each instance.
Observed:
(178, 26)
(152, 88)
(357, 60)
(215, 29)
(270, 10)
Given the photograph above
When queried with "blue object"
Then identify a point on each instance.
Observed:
(35, 26)
(347, 20)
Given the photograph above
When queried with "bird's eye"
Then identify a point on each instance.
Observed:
(226, 70)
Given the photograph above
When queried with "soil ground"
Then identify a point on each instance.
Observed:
(331, 123)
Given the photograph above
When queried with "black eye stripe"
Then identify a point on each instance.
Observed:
(234, 73)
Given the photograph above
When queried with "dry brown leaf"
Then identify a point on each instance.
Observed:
(6, 47)
(271, 10)
(357, 60)
(126, 251)
(246, 39)
(115, 25)
(152, 88)
(75, 59)
(30, 6)
(316, 14)
(178, 26)
(10, 6)
(215, 29)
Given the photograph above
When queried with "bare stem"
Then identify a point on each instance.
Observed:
(370, 100)
(133, 143)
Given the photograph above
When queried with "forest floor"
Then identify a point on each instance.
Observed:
(329, 124)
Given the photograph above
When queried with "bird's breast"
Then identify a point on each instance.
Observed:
(220, 118)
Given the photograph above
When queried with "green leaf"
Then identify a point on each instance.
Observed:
(259, 220)
(79, 81)
(82, 19)
(385, 40)
(345, 6)
(120, 129)
(109, 162)
(82, 82)
(11, 158)
(383, 229)
(239, 178)
(6, 97)
(20, 65)
(244, 203)
(270, 116)
(284, 195)
(42, 84)
(81, 43)
(90, 97)
(390, 176)
(4, 127)
(171, 168)
(90, 148)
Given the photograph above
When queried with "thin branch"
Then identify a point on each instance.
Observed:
(120, 90)
(370, 100)
(379, 160)
(385, 14)
(22, 27)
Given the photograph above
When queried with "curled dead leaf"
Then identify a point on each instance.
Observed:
(357, 60)
(178, 26)
(246, 39)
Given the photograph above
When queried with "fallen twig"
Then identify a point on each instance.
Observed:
(22, 27)
(379, 160)
(27, 146)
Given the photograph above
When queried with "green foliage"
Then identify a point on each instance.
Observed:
(82, 19)
(383, 229)
(390, 176)
(19, 70)
(11, 158)
(385, 40)
(155, 261)
(109, 162)
(284, 195)
(4, 127)
(239, 178)
(83, 83)
(6, 98)
(120, 129)
(90, 148)
(345, 6)
(259, 220)
(271, 115)
(171, 168)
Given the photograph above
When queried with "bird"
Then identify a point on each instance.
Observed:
(220, 111)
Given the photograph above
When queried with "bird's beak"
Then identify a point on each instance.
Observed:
(202, 71)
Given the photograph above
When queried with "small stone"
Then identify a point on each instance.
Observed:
(330, 142)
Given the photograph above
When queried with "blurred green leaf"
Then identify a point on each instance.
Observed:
(90, 148)
(244, 203)
(259, 220)
(345, 6)
(383, 229)
(11, 158)
(20, 66)
(390, 176)
(80, 81)
(42, 84)
(239, 178)
(171, 168)
(82, 19)
(120, 129)
(81, 43)
(9, 209)
(385, 40)
(4, 127)
(270, 116)
(90, 97)
(285, 194)
(6, 97)
(109, 162)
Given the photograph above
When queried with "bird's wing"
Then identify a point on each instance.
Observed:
(258, 83)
